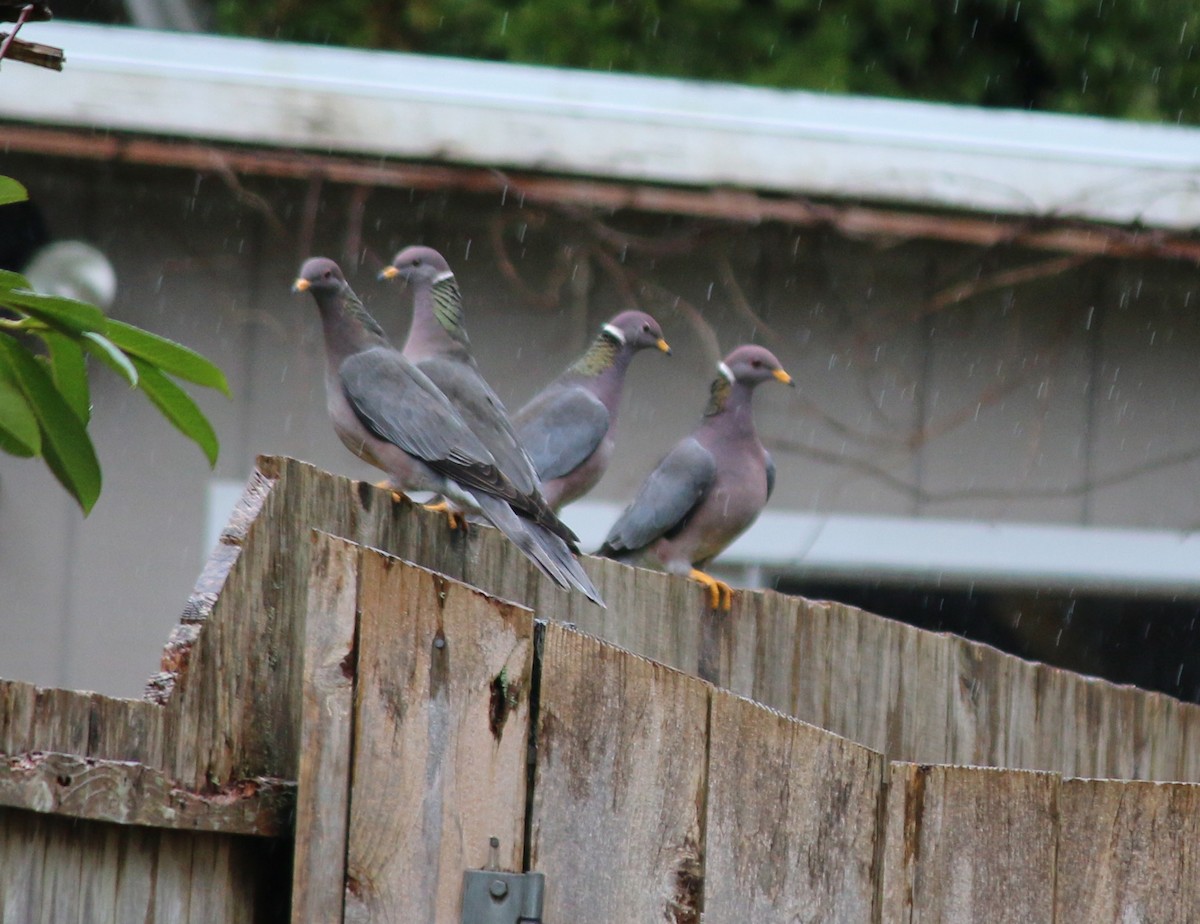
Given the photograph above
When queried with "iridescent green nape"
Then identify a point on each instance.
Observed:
(599, 357)
(447, 307)
(357, 310)
(717, 396)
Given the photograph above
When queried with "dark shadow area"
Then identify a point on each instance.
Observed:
(1150, 641)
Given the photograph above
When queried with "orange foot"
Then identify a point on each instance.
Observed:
(456, 520)
(720, 594)
(397, 496)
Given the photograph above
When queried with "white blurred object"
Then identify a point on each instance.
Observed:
(73, 269)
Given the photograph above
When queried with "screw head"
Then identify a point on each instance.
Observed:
(498, 888)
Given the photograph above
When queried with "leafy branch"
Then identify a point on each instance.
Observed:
(45, 398)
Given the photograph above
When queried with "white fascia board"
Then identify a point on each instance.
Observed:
(951, 553)
(609, 125)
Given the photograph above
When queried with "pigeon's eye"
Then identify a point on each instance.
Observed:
(416, 261)
(645, 328)
(756, 363)
(328, 274)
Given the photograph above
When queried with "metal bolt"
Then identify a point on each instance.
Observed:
(439, 643)
(498, 888)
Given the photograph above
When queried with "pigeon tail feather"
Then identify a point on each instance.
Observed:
(540, 545)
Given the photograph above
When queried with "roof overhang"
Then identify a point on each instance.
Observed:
(631, 129)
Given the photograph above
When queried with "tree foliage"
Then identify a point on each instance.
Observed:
(1130, 58)
(45, 399)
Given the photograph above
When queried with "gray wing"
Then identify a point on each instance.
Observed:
(665, 499)
(560, 429)
(484, 414)
(770, 473)
(398, 404)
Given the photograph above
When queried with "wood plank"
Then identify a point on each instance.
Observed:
(63, 870)
(17, 700)
(21, 859)
(101, 872)
(926, 697)
(323, 795)
(62, 875)
(170, 894)
(968, 844)
(440, 742)
(792, 819)
(123, 729)
(1127, 851)
(128, 793)
(619, 786)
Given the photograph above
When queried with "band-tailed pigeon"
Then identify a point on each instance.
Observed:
(567, 428)
(388, 413)
(438, 345)
(709, 488)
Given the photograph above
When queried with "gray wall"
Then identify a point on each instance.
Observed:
(1035, 403)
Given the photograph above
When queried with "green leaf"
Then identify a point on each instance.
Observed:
(111, 356)
(11, 191)
(65, 314)
(11, 280)
(65, 443)
(19, 432)
(178, 408)
(166, 355)
(68, 368)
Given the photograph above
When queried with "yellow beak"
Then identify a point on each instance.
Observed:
(664, 346)
(389, 272)
(783, 377)
(301, 285)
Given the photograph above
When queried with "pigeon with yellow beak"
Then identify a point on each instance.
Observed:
(390, 414)
(568, 427)
(708, 489)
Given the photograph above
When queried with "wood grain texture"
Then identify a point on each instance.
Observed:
(323, 787)
(127, 793)
(792, 817)
(66, 870)
(909, 694)
(968, 844)
(440, 741)
(1128, 852)
(618, 797)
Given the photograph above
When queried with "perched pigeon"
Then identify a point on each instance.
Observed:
(391, 415)
(709, 488)
(567, 428)
(437, 344)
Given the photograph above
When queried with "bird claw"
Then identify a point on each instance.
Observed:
(398, 497)
(457, 521)
(720, 594)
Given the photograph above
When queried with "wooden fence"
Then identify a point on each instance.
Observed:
(341, 726)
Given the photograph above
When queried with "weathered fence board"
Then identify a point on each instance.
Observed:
(54, 869)
(911, 695)
(133, 794)
(792, 819)
(967, 844)
(323, 798)
(405, 703)
(1128, 852)
(617, 815)
(440, 740)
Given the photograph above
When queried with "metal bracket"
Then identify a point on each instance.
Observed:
(491, 896)
(495, 897)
